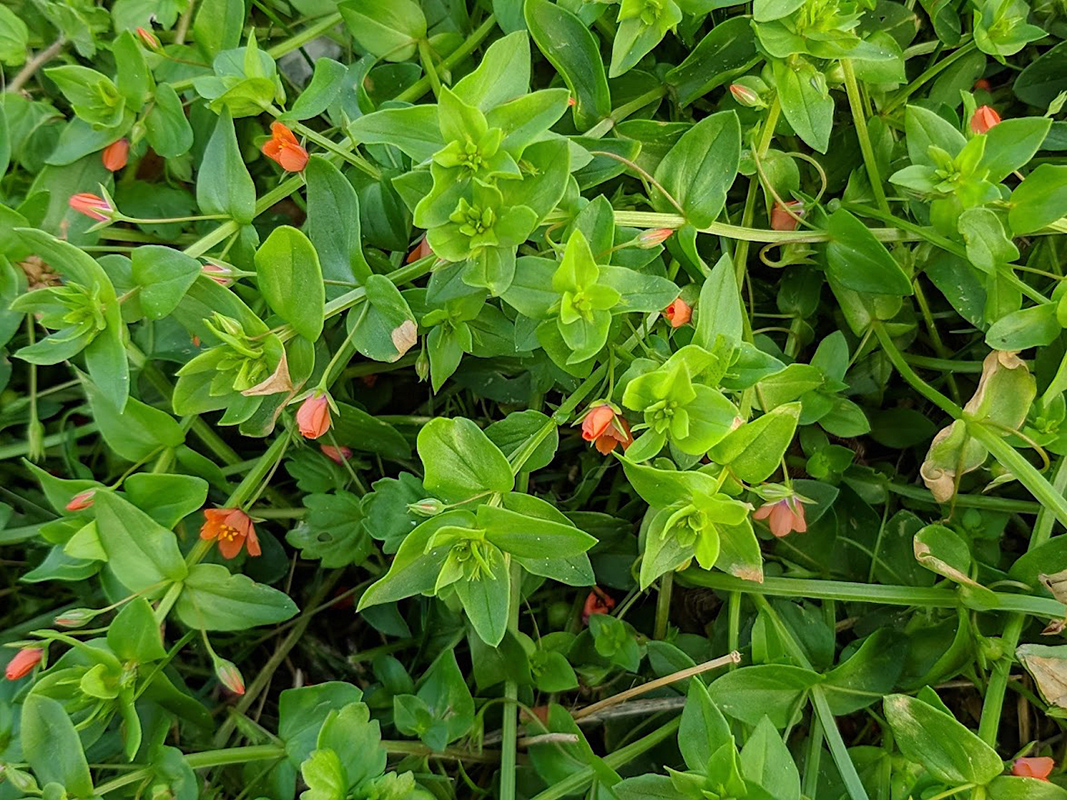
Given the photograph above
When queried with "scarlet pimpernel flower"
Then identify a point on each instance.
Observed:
(232, 529)
(606, 428)
(284, 148)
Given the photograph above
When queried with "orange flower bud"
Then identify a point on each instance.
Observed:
(649, 239)
(217, 273)
(23, 663)
(421, 250)
(232, 528)
(746, 96)
(148, 39)
(313, 416)
(338, 455)
(283, 148)
(1040, 767)
(229, 676)
(81, 501)
(985, 117)
(982, 84)
(782, 220)
(91, 205)
(115, 155)
(678, 313)
(75, 618)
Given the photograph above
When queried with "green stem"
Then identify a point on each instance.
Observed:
(875, 594)
(859, 118)
(925, 389)
(22, 448)
(204, 760)
(510, 725)
(578, 781)
(663, 604)
(426, 57)
(460, 54)
(766, 137)
(932, 72)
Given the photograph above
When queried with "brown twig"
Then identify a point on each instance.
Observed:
(35, 63)
(667, 680)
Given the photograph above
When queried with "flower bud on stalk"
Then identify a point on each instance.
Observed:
(76, 617)
(427, 507)
(23, 663)
(228, 675)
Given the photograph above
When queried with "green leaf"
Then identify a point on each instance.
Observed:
(1011, 143)
(570, 47)
(301, 713)
(333, 531)
(166, 498)
(163, 276)
(326, 84)
(487, 599)
(930, 737)
(987, 243)
(513, 432)
(14, 41)
(52, 747)
(333, 224)
(700, 169)
(503, 74)
(166, 126)
(1036, 326)
(415, 567)
(776, 691)
(719, 310)
(728, 48)
(383, 328)
(531, 537)
(324, 776)
(806, 101)
(352, 734)
(388, 29)
(1007, 787)
(867, 676)
(858, 261)
(460, 462)
(214, 599)
(1040, 200)
(359, 430)
(924, 128)
(134, 635)
(767, 762)
(415, 130)
(290, 278)
(217, 25)
(755, 450)
(703, 728)
(225, 187)
(140, 551)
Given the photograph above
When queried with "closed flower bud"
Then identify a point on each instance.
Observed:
(422, 366)
(678, 313)
(338, 455)
(229, 676)
(23, 663)
(75, 618)
(148, 39)
(649, 239)
(984, 118)
(427, 507)
(746, 96)
(782, 220)
(217, 273)
(81, 501)
(92, 206)
(115, 155)
(313, 416)
(21, 781)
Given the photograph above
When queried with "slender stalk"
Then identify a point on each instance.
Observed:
(876, 594)
(510, 723)
(663, 604)
(35, 63)
(906, 372)
(766, 137)
(859, 119)
(577, 781)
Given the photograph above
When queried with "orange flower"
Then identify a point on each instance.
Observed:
(782, 220)
(285, 149)
(678, 313)
(116, 154)
(338, 455)
(81, 501)
(985, 117)
(91, 205)
(786, 515)
(1039, 768)
(605, 428)
(597, 602)
(422, 249)
(23, 663)
(982, 84)
(232, 528)
(313, 416)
